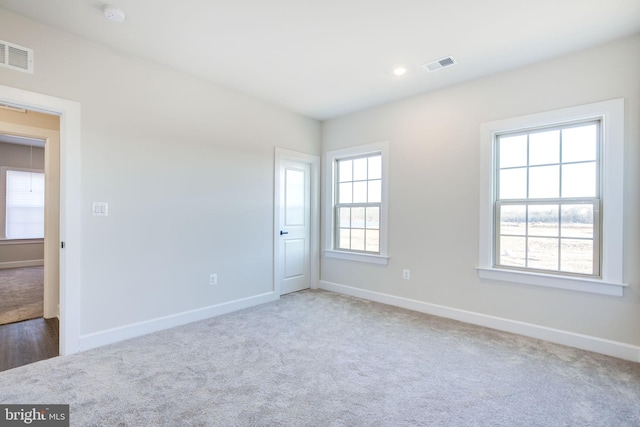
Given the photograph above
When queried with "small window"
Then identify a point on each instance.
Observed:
(548, 199)
(24, 205)
(357, 212)
(356, 224)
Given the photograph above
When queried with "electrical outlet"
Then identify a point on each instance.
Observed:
(406, 274)
(213, 279)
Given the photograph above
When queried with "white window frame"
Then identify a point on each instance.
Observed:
(558, 201)
(611, 115)
(329, 221)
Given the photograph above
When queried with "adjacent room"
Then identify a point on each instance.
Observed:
(338, 213)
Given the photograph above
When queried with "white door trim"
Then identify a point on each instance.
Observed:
(282, 154)
(70, 204)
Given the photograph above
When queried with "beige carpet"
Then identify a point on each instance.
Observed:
(320, 359)
(21, 294)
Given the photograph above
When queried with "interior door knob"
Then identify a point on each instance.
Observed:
(283, 232)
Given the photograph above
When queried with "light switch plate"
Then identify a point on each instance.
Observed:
(100, 209)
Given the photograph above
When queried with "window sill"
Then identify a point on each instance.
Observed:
(21, 241)
(350, 256)
(571, 283)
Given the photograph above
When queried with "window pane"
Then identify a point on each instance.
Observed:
(24, 205)
(577, 221)
(357, 218)
(373, 218)
(375, 191)
(373, 241)
(512, 251)
(345, 170)
(542, 253)
(513, 219)
(580, 143)
(360, 169)
(357, 240)
(543, 220)
(544, 148)
(344, 193)
(25, 222)
(577, 256)
(345, 239)
(345, 217)
(295, 197)
(579, 180)
(544, 182)
(360, 192)
(513, 183)
(375, 167)
(25, 188)
(513, 151)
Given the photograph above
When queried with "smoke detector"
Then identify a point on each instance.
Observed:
(447, 61)
(113, 13)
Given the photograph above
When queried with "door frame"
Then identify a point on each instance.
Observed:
(51, 241)
(281, 155)
(70, 204)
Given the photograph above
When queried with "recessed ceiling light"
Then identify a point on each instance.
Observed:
(113, 13)
(399, 71)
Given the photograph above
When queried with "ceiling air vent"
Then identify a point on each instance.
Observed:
(440, 63)
(16, 57)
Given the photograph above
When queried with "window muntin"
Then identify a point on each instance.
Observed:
(547, 206)
(358, 201)
(24, 205)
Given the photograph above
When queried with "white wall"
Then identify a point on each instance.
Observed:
(187, 170)
(434, 144)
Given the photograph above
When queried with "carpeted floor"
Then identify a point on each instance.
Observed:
(21, 294)
(316, 358)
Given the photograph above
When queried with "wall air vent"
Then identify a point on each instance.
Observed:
(440, 63)
(16, 57)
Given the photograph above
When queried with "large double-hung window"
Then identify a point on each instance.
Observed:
(551, 199)
(548, 199)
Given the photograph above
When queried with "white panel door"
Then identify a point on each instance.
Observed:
(295, 226)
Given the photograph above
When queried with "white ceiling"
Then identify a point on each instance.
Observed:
(325, 58)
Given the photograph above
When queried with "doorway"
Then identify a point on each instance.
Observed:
(295, 221)
(70, 205)
(37, 128)
(29, 232)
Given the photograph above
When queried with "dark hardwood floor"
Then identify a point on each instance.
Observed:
(27, 342)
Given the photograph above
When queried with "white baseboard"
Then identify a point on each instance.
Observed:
(571, 339)
(110, 336)
(18, 264)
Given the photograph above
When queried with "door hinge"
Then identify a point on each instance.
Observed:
(61, 245)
